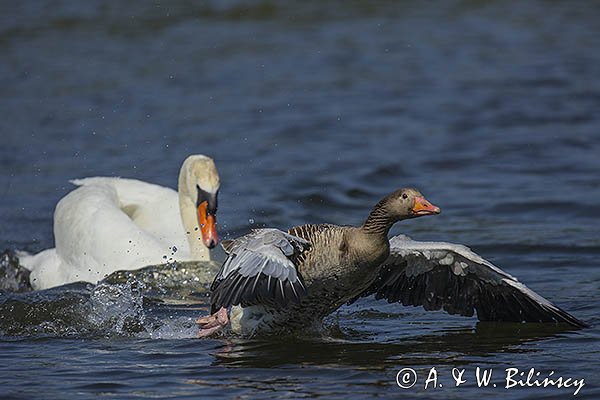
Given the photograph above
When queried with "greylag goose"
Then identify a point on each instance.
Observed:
(109, 224)
(274, 282)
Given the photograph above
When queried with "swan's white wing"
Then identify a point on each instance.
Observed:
(260, 269)
(438, 275)
(109, 224)
(153, 208)
(95, 236)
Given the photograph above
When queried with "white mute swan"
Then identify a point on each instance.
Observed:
(111, 224)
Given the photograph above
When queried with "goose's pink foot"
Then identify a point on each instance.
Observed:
(212, 323)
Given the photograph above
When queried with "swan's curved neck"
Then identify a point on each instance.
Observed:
(189, 217)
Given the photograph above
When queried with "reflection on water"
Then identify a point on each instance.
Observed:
(446, 347)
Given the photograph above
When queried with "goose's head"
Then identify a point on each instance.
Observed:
(409, 203)
(199, 183)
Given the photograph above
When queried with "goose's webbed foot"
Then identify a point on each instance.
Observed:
(211, 324)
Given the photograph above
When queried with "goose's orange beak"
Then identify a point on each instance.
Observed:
(208, 226)
(424, 207)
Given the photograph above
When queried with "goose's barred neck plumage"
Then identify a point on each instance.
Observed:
(274, 281)
(378, 221)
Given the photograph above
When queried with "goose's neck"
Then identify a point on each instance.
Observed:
(189, 218)
(378, 222)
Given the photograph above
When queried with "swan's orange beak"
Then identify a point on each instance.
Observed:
(208, 226)
(423, 207)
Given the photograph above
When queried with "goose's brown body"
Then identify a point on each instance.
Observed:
(340, 259)
(341, 263)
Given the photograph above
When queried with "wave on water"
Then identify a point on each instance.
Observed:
(13, 277)
(154, 302)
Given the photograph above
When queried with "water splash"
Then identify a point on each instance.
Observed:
(13, 277)
(118, 309)
(159, 302)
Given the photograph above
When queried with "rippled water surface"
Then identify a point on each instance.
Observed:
(313, 111)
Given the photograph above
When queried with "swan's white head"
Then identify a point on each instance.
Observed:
(199, 183)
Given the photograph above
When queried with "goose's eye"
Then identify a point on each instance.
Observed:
(404, 196)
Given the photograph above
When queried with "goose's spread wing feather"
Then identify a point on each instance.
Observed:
(260, 270)
(438, 275)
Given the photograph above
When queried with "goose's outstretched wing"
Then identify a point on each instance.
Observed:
(260, 269)
(438, 275)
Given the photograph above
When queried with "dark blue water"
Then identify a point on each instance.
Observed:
(313, 111)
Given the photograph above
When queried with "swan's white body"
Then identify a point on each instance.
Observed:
(111, 224)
